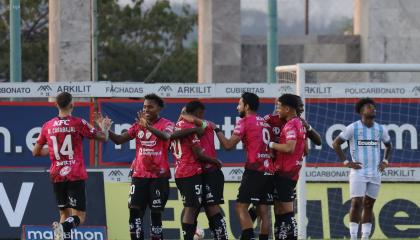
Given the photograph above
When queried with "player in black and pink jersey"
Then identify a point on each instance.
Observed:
(255, 187)
(189, 158)
(213, 179)
(64, 136)
(150, 177)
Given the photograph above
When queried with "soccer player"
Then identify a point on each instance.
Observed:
(289, 154)
(189, 158)
(64, 136)
(256, 185)
(150, 179)
(364, 137)
(213, 179)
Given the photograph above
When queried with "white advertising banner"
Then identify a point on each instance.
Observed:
(313, 174)
(195, 90)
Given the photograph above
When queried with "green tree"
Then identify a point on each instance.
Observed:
(34, 26)
(146, 44)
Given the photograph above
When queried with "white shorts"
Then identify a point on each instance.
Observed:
(361, 186)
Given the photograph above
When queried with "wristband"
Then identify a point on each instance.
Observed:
(203, 124)
(217, 130)
(309, 128)
(271, 145)
(345, 162)
(385, 161)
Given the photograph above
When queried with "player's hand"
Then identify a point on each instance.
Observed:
(305, 124)
(382, 166)
(98, 117)
(106, 124)
(141, 119)
(354, 165)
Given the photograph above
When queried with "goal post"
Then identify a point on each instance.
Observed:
(296, 75)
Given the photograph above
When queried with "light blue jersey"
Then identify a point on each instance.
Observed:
(365, 146)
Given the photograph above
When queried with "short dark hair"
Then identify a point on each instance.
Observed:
(193, 106)
(290, 100)
(362, 102)
(63, 99)
(251, 99)
(158, 100)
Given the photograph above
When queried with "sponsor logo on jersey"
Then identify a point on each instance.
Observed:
(367, 143)
(65, 170)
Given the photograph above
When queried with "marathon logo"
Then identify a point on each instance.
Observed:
(81, 233)
(367, 143)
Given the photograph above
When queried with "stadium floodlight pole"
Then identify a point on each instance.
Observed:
(272, 45)
(15, 42)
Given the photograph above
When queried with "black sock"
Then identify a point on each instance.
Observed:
(294, 230)
(156, 231)
(253, 213)
(218, 226)
(284, 227)
(136, 224)
(248, 234)
(188, 231)
(263, 237)
(69, 224)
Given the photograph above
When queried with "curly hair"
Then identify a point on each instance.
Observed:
(362, 102)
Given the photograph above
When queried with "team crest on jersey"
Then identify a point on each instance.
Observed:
(148, 134)
(65, 170)
(140, 134)
(276, 130)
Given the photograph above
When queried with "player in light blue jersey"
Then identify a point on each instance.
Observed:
(364, 138)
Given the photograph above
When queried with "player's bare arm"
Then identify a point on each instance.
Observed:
(39, 151)
(337, 147)
(226, 143)
(198, 152)
(312, 133)
(144, 123)
(387, 157)
(287, 147)
(186, 132)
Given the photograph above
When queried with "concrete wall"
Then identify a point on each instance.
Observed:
(69, 40)
(302, 49)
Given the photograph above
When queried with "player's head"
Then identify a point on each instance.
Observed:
(195, 108)
(249, 102)
(152, 106)
(366, 107)
(288, 105)
(301, 106)
(64, 101)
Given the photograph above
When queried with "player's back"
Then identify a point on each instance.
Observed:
(209, 149)
(64, 136)
(186, 163)
(255, 134)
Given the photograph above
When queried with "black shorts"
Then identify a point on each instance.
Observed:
(284, 188)
(213, 184)
(256, 188)
(152, 192)
(191, 189)
(70, 195)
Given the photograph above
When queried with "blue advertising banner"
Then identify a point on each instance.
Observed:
(27, 198)
(20, 125)
(221, 112)
(31, 232)
(328, 116)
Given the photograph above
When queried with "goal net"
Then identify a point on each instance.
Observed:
(330, 92)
